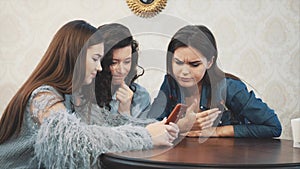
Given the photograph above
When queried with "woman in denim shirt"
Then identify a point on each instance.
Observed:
(120, 65)
(225, 107)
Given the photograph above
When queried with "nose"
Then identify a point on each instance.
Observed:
(99, 67)
(185, 69)
(121, 68)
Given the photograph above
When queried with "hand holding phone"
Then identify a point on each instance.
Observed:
(176, 113)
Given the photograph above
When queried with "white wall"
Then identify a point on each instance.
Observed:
(258, 40)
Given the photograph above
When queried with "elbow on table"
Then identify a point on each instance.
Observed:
(276, 130)
(275, 126)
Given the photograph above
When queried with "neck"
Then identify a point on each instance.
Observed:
(192, 94)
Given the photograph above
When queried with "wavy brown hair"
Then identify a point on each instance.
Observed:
(56, 69)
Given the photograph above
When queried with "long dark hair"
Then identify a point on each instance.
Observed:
(116, 36)
(55, 69)
(200, 38)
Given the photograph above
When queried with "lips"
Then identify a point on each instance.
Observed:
(118, 77)
(183, 79)
(93, 75)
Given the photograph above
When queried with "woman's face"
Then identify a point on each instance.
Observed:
(121, 64)
(94, 55)
(189, 66)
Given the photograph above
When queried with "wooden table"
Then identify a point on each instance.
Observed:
(210, 153)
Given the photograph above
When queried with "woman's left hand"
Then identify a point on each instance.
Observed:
(173, 130)
(221, 131)
(206, 119)
(207, 132)
(163, 134)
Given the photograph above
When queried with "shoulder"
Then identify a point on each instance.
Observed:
(235, 85)
(43, 99)
(236, 88)
(238, 92)
(45, 93)
(234, 82)
(47, 90)
(139, 88)
(140, 93)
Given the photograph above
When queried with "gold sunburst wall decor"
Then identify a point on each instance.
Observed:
(146, 8)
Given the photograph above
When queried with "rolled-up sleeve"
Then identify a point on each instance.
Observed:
(259, 120)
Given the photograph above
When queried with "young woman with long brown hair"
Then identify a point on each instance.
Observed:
(43, 127)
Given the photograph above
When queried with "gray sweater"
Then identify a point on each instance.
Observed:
(70, 139)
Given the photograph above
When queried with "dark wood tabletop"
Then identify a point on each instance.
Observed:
(210, 153)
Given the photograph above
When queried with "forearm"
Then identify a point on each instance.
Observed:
(225, 131)
(257, 131)
(138, 121)
(79, 144)
(104, 117)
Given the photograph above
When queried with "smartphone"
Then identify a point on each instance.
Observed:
(176, 113)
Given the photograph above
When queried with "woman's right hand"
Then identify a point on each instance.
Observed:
(163, 134)
(124, 95)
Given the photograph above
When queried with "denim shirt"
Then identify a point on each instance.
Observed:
(140, 103)
(250, 116)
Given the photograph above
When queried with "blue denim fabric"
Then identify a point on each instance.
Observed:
(141, 102)
(250, 116)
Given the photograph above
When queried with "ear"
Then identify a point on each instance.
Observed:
(210, 62)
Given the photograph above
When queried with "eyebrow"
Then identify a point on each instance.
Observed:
(127, 58)
(197, 61)
(178, 59)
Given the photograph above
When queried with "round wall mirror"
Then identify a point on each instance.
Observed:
(146, 8)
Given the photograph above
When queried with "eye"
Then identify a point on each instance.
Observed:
(127, 61)
(114, 62)
(96, 57)
(195, 64)
(178, 62)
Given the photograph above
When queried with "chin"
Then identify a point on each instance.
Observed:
(118, 82)
(87, 82)
(186, 84)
